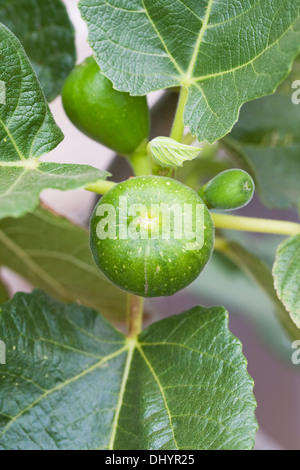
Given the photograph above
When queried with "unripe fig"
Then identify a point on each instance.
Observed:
(112, 118)
(231, 189)
(151, 236)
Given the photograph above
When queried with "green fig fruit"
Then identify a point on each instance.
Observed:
(151, 236)
(113, 118)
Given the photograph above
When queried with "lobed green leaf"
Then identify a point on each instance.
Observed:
(147, 45)
(20, 186)
(44, 29)
(54, 254)
(28, 131)
(73, 382)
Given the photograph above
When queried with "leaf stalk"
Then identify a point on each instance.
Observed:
(251, 224)
(135, 310)
(178, 124)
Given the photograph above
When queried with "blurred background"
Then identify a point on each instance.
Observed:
(277, 380)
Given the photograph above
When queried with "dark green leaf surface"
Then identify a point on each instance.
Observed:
(266, 141)
(286, 273)
(53, 254)
(73, 382)
(44, 29)
(225, 53)
(20, 186)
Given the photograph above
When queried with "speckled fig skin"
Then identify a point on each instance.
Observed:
(151, 267)
(231, 189)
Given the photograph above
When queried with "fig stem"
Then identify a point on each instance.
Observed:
(135, 310)
(139, 160)
(100, 187)
(188, 139)
(220, 244)
(178, 124)
(250, 224)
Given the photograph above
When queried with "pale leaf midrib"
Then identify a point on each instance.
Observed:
(134, 345)
(131, 349)
(188, 76)
(12, 140)
(89, 268)
(5, 127)
(199, 40)
(161, 391)
(35, 268)
(25, 163)
(14, 184)
(233, 18)
(174, 62)
(194, 80)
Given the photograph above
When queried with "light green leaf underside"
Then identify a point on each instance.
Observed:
(286, 272)
(44, 29)
(226, 53)
(53, 254)
(266, 141)
(20, 186)
(257, 269)
(73, 382)
(166, 152)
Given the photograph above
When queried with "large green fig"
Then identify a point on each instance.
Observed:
(151, 236)
(112, 118)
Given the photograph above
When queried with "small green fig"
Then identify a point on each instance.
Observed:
(231, 189)
(113, 118)
(151, 236)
